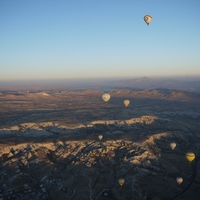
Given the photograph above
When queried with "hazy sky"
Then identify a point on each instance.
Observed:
(52, 39)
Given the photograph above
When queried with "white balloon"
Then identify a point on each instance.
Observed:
(173, 145)
(179, 180)
(100, 137)
(106, 97)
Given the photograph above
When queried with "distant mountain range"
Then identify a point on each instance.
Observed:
(187, 84)
(190, 84)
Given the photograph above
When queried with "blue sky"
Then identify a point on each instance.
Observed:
(46, 39)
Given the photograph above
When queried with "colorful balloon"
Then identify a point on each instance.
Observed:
(147, 19)
(106, 97)
(190, 156)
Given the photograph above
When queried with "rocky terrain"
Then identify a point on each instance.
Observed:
(49, 145)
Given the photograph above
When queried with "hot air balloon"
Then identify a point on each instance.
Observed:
(147, 19)
(179, 180)
(121, 181)
(190, 156)
(100, 137)
(173, 145)
(106, 97)
(126, 103)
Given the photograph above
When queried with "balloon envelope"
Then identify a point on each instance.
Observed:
(190, 156)
(126, 103)
(100, 137)
(121, 181)
(179, 180)
(147, 19)
(106, 97)
(173, 145)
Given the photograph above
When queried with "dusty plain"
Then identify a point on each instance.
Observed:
(49, 146)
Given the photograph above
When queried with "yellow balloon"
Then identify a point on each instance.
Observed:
(121, 181)
(190, 156)
(126, 103)
(179, 180)
(106, 97)
(173, 145)
(100, 137)
(147, 19)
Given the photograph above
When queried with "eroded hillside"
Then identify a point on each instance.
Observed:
(49, 147)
